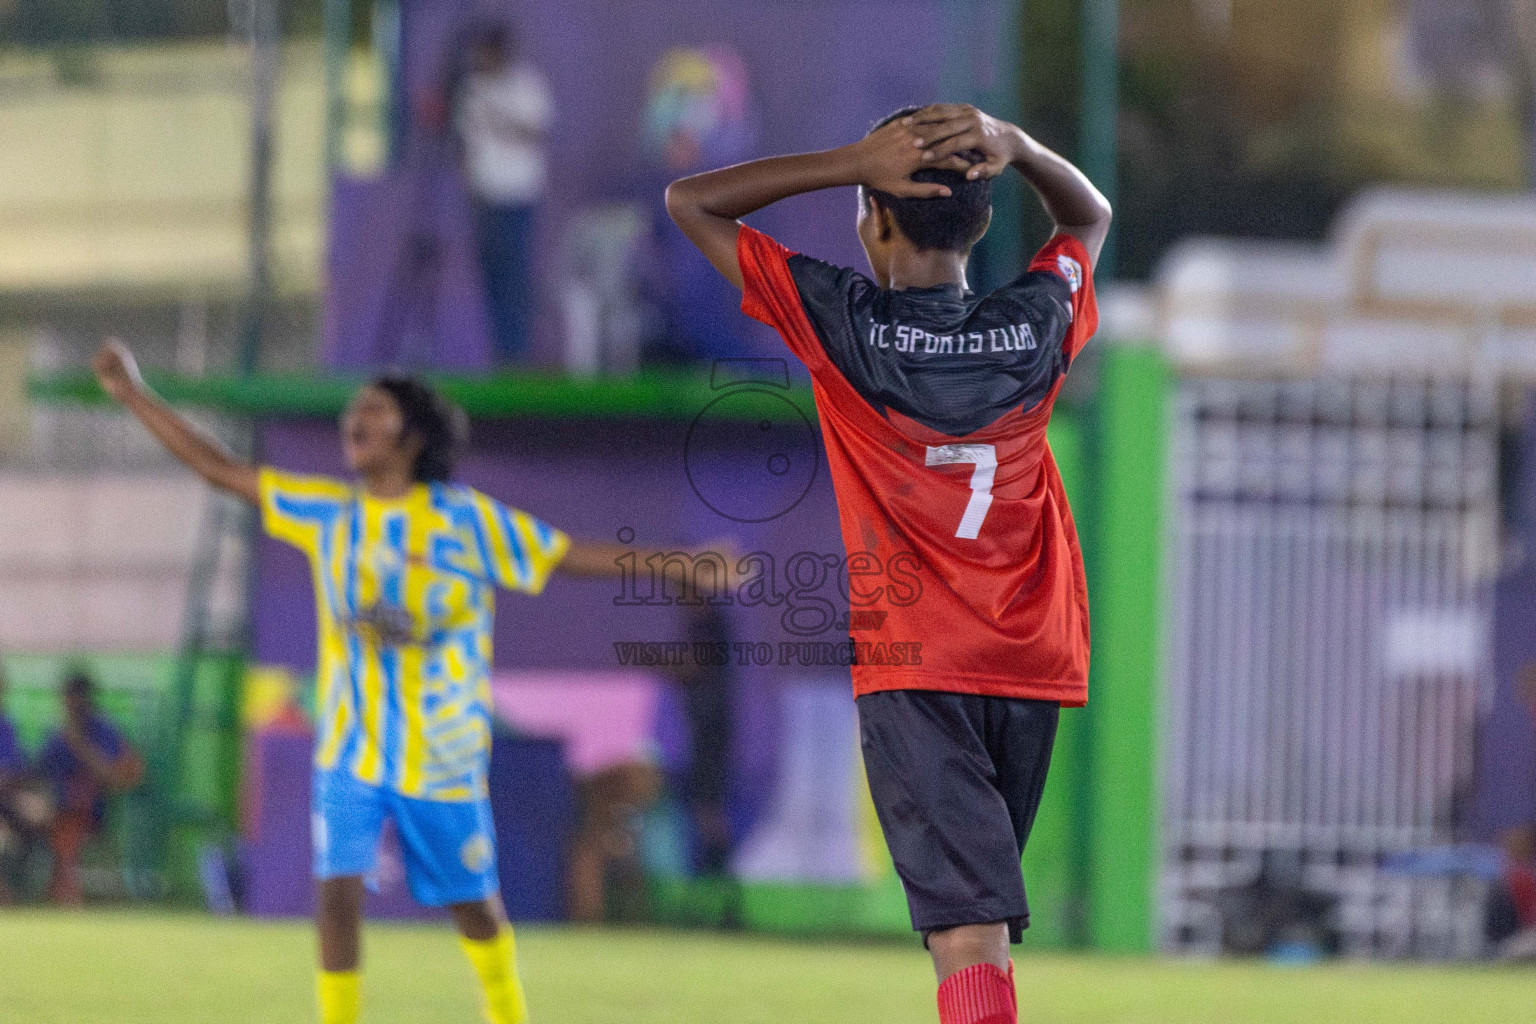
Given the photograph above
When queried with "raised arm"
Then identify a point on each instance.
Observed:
(1078, 208)
(608, 560)
(707, 206)
(119, 377)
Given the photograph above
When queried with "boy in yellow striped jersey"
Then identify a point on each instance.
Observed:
(405, 569)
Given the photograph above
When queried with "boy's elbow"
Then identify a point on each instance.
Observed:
(1106, 211)
(677, 200)
(686, 202)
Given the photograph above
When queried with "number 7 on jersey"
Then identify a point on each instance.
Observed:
(984, 456)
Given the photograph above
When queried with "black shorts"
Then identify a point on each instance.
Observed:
(956, 779)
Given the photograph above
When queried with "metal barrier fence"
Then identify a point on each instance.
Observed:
(1332, 548)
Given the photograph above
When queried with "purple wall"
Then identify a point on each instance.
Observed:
(819, 73)
(1506, 791)
(592, 478)
(1507, 738)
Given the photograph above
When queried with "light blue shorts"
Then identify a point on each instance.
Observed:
(449, 848)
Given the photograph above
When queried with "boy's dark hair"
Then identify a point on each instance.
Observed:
(953, 223)
(441, 425)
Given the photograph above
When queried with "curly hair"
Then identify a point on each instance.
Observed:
(441, 425)
(952, 223)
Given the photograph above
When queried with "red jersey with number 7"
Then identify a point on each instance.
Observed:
(933, 405)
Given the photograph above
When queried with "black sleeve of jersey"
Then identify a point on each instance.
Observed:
(831, 296)
(838, 302)
(1044, 300)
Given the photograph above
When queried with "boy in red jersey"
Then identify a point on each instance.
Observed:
(934, 403)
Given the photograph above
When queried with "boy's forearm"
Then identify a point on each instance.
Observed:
(198, 452)
(1068, 196)
(708, 206)
(736, 191)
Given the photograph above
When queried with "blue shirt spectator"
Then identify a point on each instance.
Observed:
(67, 763)
(85, 761)
(13, 760)
(17, 830)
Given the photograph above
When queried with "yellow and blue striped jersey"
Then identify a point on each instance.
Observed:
(405, 595)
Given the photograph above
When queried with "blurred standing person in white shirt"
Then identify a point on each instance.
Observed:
(502, 112)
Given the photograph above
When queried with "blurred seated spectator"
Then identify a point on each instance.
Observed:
(500, 106)
(605, 878)
(13, 760)
(84, 762)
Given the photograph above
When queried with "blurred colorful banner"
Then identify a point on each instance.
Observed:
(644, 92)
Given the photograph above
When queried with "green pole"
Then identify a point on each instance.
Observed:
(266, 42)
(1111, 839)
(337, 29)
(983, 55)
(387, 41)
(1003, 95)
(1126, 600)
(1101, 109)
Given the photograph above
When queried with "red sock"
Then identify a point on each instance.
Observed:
(980, 994)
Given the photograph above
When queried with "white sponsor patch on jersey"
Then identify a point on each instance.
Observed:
(1071, 270)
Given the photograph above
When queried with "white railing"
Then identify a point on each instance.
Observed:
(1332, 549)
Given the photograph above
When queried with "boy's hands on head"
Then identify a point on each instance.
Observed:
(1078, 208)
(943, 130)
(954, 137)
(886, 159)
(116, 370)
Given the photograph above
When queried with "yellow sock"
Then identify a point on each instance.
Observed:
(495, 960)
(341, 997)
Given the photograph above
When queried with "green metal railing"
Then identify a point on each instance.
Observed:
(653, 394)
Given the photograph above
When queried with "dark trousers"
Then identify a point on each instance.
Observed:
(505, 236)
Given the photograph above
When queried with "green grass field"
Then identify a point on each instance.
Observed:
(128, 968)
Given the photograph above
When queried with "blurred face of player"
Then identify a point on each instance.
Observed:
(372, 432)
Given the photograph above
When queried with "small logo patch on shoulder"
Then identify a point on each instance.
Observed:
(1071, 270)
(476, 853)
